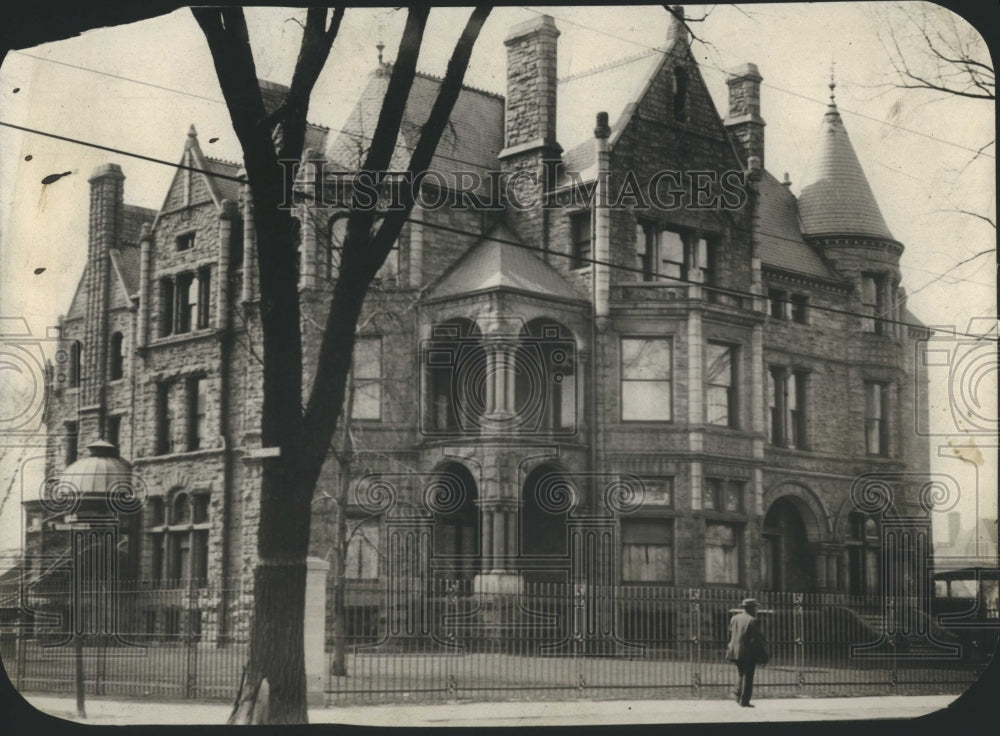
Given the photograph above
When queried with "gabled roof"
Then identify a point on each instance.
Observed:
(836, 198)
(778, 236)
(611, 89)
(494, 264)
(471, 141)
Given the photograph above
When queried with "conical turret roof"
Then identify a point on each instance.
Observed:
(836, 198)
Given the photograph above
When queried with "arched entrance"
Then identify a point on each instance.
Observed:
(546, 500)
(452, 497)
(787, 557)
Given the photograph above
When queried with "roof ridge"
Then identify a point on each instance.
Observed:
(213, 159)
(610, 65)
(436, 78)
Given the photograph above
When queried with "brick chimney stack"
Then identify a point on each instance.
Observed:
(744, 122)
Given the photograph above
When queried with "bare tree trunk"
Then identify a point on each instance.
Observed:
(339, 667)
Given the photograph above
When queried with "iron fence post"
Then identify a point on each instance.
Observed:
(798, 634)
(694, 606)
(192, 653)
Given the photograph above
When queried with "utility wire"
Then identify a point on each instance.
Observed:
(718, 289)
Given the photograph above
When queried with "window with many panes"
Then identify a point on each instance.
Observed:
(178, 537)
(670, 255)
(876, 418)
(185, 300)
(367, 378)
(646, 370)
(721, 385)
(647, 550)
(722, 552)
(581, 231)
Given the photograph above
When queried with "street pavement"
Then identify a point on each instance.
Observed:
(564, 713)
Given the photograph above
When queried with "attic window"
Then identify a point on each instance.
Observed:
(680, 93)
(185, 241)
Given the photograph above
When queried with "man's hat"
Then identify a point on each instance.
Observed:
(749, 603)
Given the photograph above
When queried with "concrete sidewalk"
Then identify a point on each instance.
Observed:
(564, 713)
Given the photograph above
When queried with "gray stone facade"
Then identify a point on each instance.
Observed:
(706, 486)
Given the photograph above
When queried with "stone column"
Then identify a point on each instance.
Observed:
(249, 248)
(226, 217)
(314, 630)
(145, 288)
(487, 542)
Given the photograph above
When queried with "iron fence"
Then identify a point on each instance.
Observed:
(557, 641)
(443, 641)
(169, 639)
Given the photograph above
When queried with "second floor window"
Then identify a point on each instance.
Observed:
(720, 390)
(164, 419)
(671, 255)
(876, 418)
(646, 369)
(788, 408)
(197, 413)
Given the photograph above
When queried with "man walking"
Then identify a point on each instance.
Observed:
(746, 648)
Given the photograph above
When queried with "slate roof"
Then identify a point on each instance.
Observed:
(227, 188)
(609, 89)
(836, 198)
(471, 141)
(492, 264)
(779, 238)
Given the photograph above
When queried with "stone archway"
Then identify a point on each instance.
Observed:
(454, 501)
(787, 560)
(547, 498)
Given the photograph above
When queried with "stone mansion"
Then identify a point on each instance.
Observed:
(708, 383)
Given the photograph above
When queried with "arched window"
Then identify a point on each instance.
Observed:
(545, 383)
(180, 509)
(456, 375)
(117, 363)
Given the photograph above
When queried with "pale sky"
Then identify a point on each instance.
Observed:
(915, 147)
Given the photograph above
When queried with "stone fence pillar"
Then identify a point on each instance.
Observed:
(314, 630)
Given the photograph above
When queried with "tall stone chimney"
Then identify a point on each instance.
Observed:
(531, 154)
(744, 122)
(530, 119)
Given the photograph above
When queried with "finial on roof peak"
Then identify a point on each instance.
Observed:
(380, 46)
(833, 84)
(192, 133)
